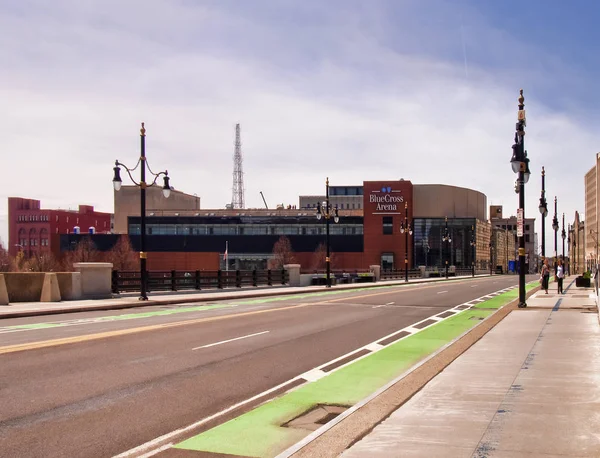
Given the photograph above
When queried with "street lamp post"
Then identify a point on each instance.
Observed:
(406, 229)
(574, 250)
(327, 211)
(446, 238)
(491, 256)
(563, 235)
(473, 243)
(520, 164)
(555, 227)
(544, 212)
(117, 182)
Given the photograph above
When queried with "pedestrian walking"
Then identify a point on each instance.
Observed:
(545, 276)
(560, 275)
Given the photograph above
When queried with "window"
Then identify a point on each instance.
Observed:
(388, 225)
(526, 238)
(387, 261)
(527, 227)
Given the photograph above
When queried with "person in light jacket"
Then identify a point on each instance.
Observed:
(560, 275)
(545, 276)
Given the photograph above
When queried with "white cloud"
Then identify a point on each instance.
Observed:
(334, 99)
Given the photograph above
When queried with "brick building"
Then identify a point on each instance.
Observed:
(368, 232)
(34, 230)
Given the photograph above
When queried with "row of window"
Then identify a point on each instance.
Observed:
(33, 242)
(247, 229)
(340, 206)
(43, 218)
(28, 218)
(513, 227)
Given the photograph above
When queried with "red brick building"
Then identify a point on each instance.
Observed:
(34, 230)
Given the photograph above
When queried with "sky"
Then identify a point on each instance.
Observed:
(424, 90)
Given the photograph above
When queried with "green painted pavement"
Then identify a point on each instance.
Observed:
(128, 316)
(258, 433)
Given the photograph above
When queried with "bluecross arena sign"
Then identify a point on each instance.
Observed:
(385, 199)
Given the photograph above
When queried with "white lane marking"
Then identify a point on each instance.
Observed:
(390, 303)
(383, 305)
(157, 451)
(436, 318)
(409, 329)
(373, 347)
(442, 292)
(230, 340)
(313, 375)
(473, 286)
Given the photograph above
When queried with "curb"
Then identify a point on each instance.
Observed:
(296, 450)
(280, 291)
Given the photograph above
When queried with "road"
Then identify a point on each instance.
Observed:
(100, 383)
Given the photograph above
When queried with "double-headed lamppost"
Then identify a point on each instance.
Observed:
(446, 238)
(406, 229)
(563, 235)
(544, 212)
(520, 164)
(327, 211)
(142, 163)
(473, 243)
(555, 227)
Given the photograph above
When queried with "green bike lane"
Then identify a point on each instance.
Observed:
(261, 431)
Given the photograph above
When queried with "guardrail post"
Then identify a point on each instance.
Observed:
(197, 279)
(254, 278)
(173, 280)
(269, 281)
(115, 281)
(238, 279)
(219, 279)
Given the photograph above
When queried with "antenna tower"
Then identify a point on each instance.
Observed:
(237, 199)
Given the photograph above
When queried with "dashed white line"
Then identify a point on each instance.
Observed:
(373, 347)
(313, 375)
(442, 292)
(230, 340)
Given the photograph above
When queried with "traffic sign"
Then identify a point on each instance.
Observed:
(520, 213)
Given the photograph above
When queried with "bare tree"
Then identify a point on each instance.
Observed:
(282, 253)
(43, 262)
(318, 260)
(122, 255)
(5, 260)
(85, 251)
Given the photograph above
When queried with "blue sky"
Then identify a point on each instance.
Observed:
(355, 90)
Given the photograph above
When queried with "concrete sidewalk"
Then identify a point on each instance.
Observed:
(25, 309)
(529, 388)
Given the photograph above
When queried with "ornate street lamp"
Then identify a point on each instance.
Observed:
(327, 211)
(117, 182)
(555, 227)
(491, 245)
(473, 244)
(563, 235)
(446, 238)
(520, 165)
(406, 229)
(544, 212)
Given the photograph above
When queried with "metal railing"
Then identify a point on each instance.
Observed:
(392, 274)
(174, 280)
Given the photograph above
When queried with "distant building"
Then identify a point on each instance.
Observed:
(510, 224)
(368, 232)
(127, 203)
(34, 230)
(592, 191)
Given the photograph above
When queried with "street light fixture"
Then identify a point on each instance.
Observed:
(327, 211)
(473, 244)
(446, 238)
(520, 164)
(563, 235)
(406, 229)
(555, 227)
(166, 190)
(544, 212)
(491, 245)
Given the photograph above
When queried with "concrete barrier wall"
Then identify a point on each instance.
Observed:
(39, 286)
(24, 286)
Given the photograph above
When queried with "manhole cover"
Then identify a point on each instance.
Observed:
(315, 417)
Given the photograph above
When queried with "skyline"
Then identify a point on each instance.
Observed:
(352, 91)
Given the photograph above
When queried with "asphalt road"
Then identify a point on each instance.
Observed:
(100, 383)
